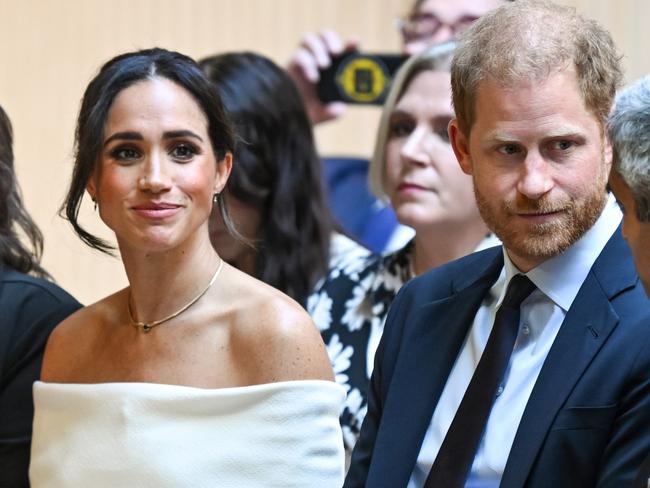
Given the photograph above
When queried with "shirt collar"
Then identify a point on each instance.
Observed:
(561, 276)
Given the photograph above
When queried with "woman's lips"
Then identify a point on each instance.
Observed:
(410, 187)
(160, 210)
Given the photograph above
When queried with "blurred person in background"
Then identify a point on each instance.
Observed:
(427, 22)
(274, 194)
(629, 131)
(414, 168)
(362, 215)
(30, 307)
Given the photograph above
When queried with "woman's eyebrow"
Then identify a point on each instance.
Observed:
(128, 136)
(173, 134)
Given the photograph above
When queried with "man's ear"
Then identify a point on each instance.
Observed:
(460, 145)
(224, 167)
(608, 151)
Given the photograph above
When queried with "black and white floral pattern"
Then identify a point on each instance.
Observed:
(349, 307)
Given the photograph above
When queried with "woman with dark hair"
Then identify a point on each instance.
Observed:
(196, 374)
(274, 194)
(30, 307)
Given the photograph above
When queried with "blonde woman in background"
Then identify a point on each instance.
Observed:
(413, 168)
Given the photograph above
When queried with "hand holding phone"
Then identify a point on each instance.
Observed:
(315, 53)
(361, 78)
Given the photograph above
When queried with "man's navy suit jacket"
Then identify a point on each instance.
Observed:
(587, 421)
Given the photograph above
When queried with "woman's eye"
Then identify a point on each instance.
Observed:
(125, 154)
(442, 133)
(183, 152)
(400, 128)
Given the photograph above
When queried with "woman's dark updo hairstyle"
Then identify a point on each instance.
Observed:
(13, 215)
(116, 75)
(276, 170)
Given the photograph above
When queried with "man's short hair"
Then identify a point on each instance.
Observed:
(629, 130)
(527, 41)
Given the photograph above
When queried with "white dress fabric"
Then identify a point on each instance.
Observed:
(283, 434)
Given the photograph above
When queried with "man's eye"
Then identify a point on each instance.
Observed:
(509, 149)
(563, 145)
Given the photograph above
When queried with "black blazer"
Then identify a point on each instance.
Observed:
(29, 310)
(587, 421)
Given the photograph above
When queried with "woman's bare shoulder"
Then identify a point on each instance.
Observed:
(72, 338)
(277, 330)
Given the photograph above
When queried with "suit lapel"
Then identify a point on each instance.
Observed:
(432, 341)
(586, 327)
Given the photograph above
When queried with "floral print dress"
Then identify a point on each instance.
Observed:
(349, 307)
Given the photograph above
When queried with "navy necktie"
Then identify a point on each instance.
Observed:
(454, 460)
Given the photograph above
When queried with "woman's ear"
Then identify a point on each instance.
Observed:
(224, 167)
(91, 187)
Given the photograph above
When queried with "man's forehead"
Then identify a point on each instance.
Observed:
(553, 106)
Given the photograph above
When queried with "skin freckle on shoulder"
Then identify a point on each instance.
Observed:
(283, 336)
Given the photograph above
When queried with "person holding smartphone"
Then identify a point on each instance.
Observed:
(358, 211)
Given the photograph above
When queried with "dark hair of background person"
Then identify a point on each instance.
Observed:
(116, 75)
(276, 170)
(13, 215)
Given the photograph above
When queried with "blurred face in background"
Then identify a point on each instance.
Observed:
(435, 21)
(635, 232)
(423, 180)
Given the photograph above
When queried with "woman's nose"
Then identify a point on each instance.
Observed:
(155, 177)
(415, 147)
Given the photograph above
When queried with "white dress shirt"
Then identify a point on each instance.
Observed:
(558, 281)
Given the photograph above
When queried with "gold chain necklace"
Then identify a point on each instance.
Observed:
(147, 326)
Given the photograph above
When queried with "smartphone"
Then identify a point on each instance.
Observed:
(362, 78)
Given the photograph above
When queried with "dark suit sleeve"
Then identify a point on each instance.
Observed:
(382, 371)
(629, 441)
(643, 476)
(29, 310)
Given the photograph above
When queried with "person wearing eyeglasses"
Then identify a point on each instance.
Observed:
(354, 206)
(427, 22)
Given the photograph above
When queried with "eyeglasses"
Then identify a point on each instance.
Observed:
(423, 26)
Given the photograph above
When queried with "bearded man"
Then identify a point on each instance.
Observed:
(526, 365)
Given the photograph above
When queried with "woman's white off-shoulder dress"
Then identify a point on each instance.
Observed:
(283, 434)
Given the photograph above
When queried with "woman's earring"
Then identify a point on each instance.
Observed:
(94, 205)
(215, 198)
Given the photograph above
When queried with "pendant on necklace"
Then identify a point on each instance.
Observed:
(146, 327)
